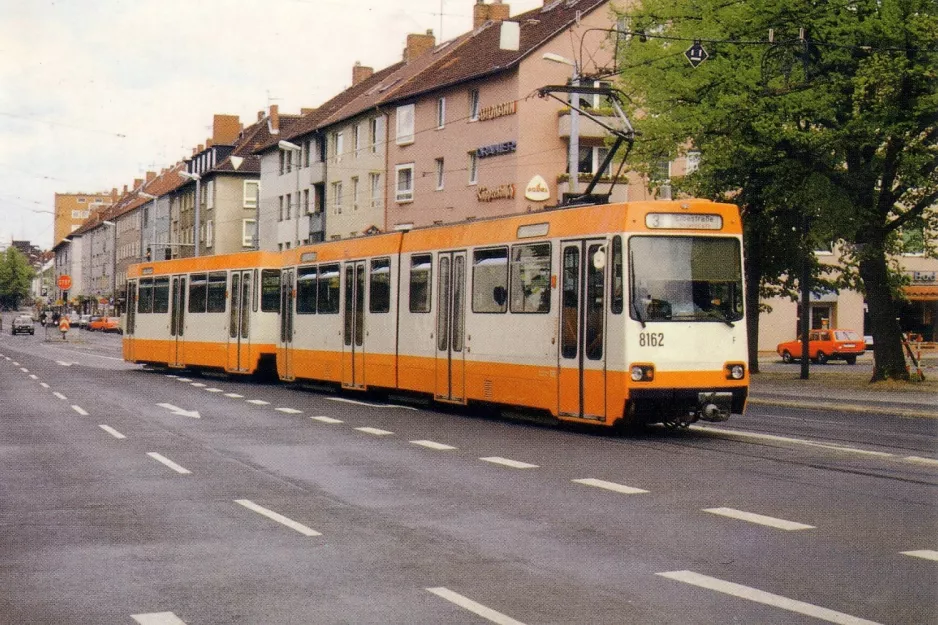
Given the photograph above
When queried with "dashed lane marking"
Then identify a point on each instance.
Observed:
(234, 395)
(258, 402)
(213, 390)
(64, 363)
(919, 460)
(158, 618)
(171, 375)
(111, 431)
(370, 405)
(926, 554)
(60, 396)
(44, 385)
(24, 369)
(199, 385)
(169, 463)
(15, 364)
(767, 598)
(289, 410)
(33, 376)
(613, 486)
(326, 419)
(375, 431)
(279, 518)
(514, 464)
(433, 445)
(183, 379)
(760, 519)
(79, 410)
(472, 606)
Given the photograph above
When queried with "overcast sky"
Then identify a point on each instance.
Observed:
(93, 93)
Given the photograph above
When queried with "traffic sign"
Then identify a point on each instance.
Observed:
(696, 54)
(64, 282)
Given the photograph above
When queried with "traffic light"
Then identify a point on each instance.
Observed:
(148, 254)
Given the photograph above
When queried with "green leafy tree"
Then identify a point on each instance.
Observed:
(15, 278)
(832, 125)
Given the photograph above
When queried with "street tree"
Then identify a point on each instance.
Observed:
(15, 277)
(819, 115)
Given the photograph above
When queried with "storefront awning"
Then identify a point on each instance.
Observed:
(921, 293)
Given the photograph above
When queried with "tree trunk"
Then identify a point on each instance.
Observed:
(888, 359)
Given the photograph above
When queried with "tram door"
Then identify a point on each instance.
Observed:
(582, 358)
(129, 347)
(450, 327)
(177, 321)
(353, 344)
(239, 322)
(285, 352)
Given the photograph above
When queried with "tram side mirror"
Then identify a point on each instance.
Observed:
(599, 259)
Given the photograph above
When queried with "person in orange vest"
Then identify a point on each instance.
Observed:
(64, 325)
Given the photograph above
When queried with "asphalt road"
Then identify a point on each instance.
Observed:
(277, 504)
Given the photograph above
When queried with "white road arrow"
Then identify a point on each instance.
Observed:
(181, 411)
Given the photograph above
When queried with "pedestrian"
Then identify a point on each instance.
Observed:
(42, 318)
(55, 318)
(64, 325)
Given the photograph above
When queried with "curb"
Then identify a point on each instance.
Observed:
(880, 410)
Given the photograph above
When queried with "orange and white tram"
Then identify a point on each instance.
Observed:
(604, 314)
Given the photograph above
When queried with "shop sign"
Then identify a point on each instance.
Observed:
(498, 110)
(496, 149)
(537, 190)
(501, 192)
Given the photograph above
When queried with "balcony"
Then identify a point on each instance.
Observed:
(589, 129)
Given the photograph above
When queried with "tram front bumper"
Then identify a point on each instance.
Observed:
(688, 404)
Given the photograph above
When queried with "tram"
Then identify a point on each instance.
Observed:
(607, 314)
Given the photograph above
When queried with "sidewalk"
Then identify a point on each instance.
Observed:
(843, 387)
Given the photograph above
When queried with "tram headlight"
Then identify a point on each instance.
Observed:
(735, 371)
(642, 373)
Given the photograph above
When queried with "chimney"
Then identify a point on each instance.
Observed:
(151, 175)
(208, 143)
(499, 12)
(360, 73)
(225, 129)
(125, 190)
(495, 12)
(274, 122)
(418, 44)
(260, 115)
(137, 182)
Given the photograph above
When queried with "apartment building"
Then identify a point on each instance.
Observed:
(72, 209)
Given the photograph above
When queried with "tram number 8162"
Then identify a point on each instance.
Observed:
(651, 339)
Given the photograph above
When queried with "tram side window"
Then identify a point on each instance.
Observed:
(198, 292)
(161, 295)
(379, 290)
(617, 283)
(421, 272)
(270, 290)
(306, 290)
(490, 280)
(329, 290)
(145, 299)
(530, 278)
(217, 283)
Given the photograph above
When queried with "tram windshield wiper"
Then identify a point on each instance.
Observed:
(632, 302)
(716, 313)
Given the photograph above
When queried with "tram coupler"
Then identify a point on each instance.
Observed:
(714, 406)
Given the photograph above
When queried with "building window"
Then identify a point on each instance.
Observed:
(355, 192)
(357, 138)
(591, 158)
(209, 194)
(375, 133)
(306, 201)
(693, 162)
(405, 124)
(404, 189)
(251, 190)
(473, 168)
(307, 148)
(338, 146)
(441, 113)
(376, 190)
(76, 214)
(209, 233)
(337, 197)
(280, 214)
(473, 105)
(283, 162)
(439, 174)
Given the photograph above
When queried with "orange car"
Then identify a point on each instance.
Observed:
(104, 324)
(824, 345)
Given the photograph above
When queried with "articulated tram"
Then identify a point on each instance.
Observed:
(618, 313)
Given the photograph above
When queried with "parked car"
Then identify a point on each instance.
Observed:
(23, 324)
(83, 321)
(104, 324)
(824, 345)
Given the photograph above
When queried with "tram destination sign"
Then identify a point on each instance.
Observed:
(683, 221)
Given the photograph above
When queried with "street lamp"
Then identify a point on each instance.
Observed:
(111, 224)
(286, 146)
(148, 196)
(198, 206)
(574, 155)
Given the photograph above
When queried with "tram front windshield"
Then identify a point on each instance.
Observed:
(685, 278)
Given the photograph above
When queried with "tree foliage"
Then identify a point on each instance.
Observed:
(15, 278)
(832, 124)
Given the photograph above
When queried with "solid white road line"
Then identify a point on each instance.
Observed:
(289, 410)
(213, 390)
(796, 441)
(618, 488)
(79, 410)
(326, 419)
(476, 608)
(375, 431)
(279, 518)
(111, 431)
(514, 464)
(172, 465)
(33, 376)
(43, 385)
(158, 618)
(919, 460)
(60, 395)
(234, 395)
(433, 445)
(760, 596)
(781, 524)
(927, 554)
(258, 402)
